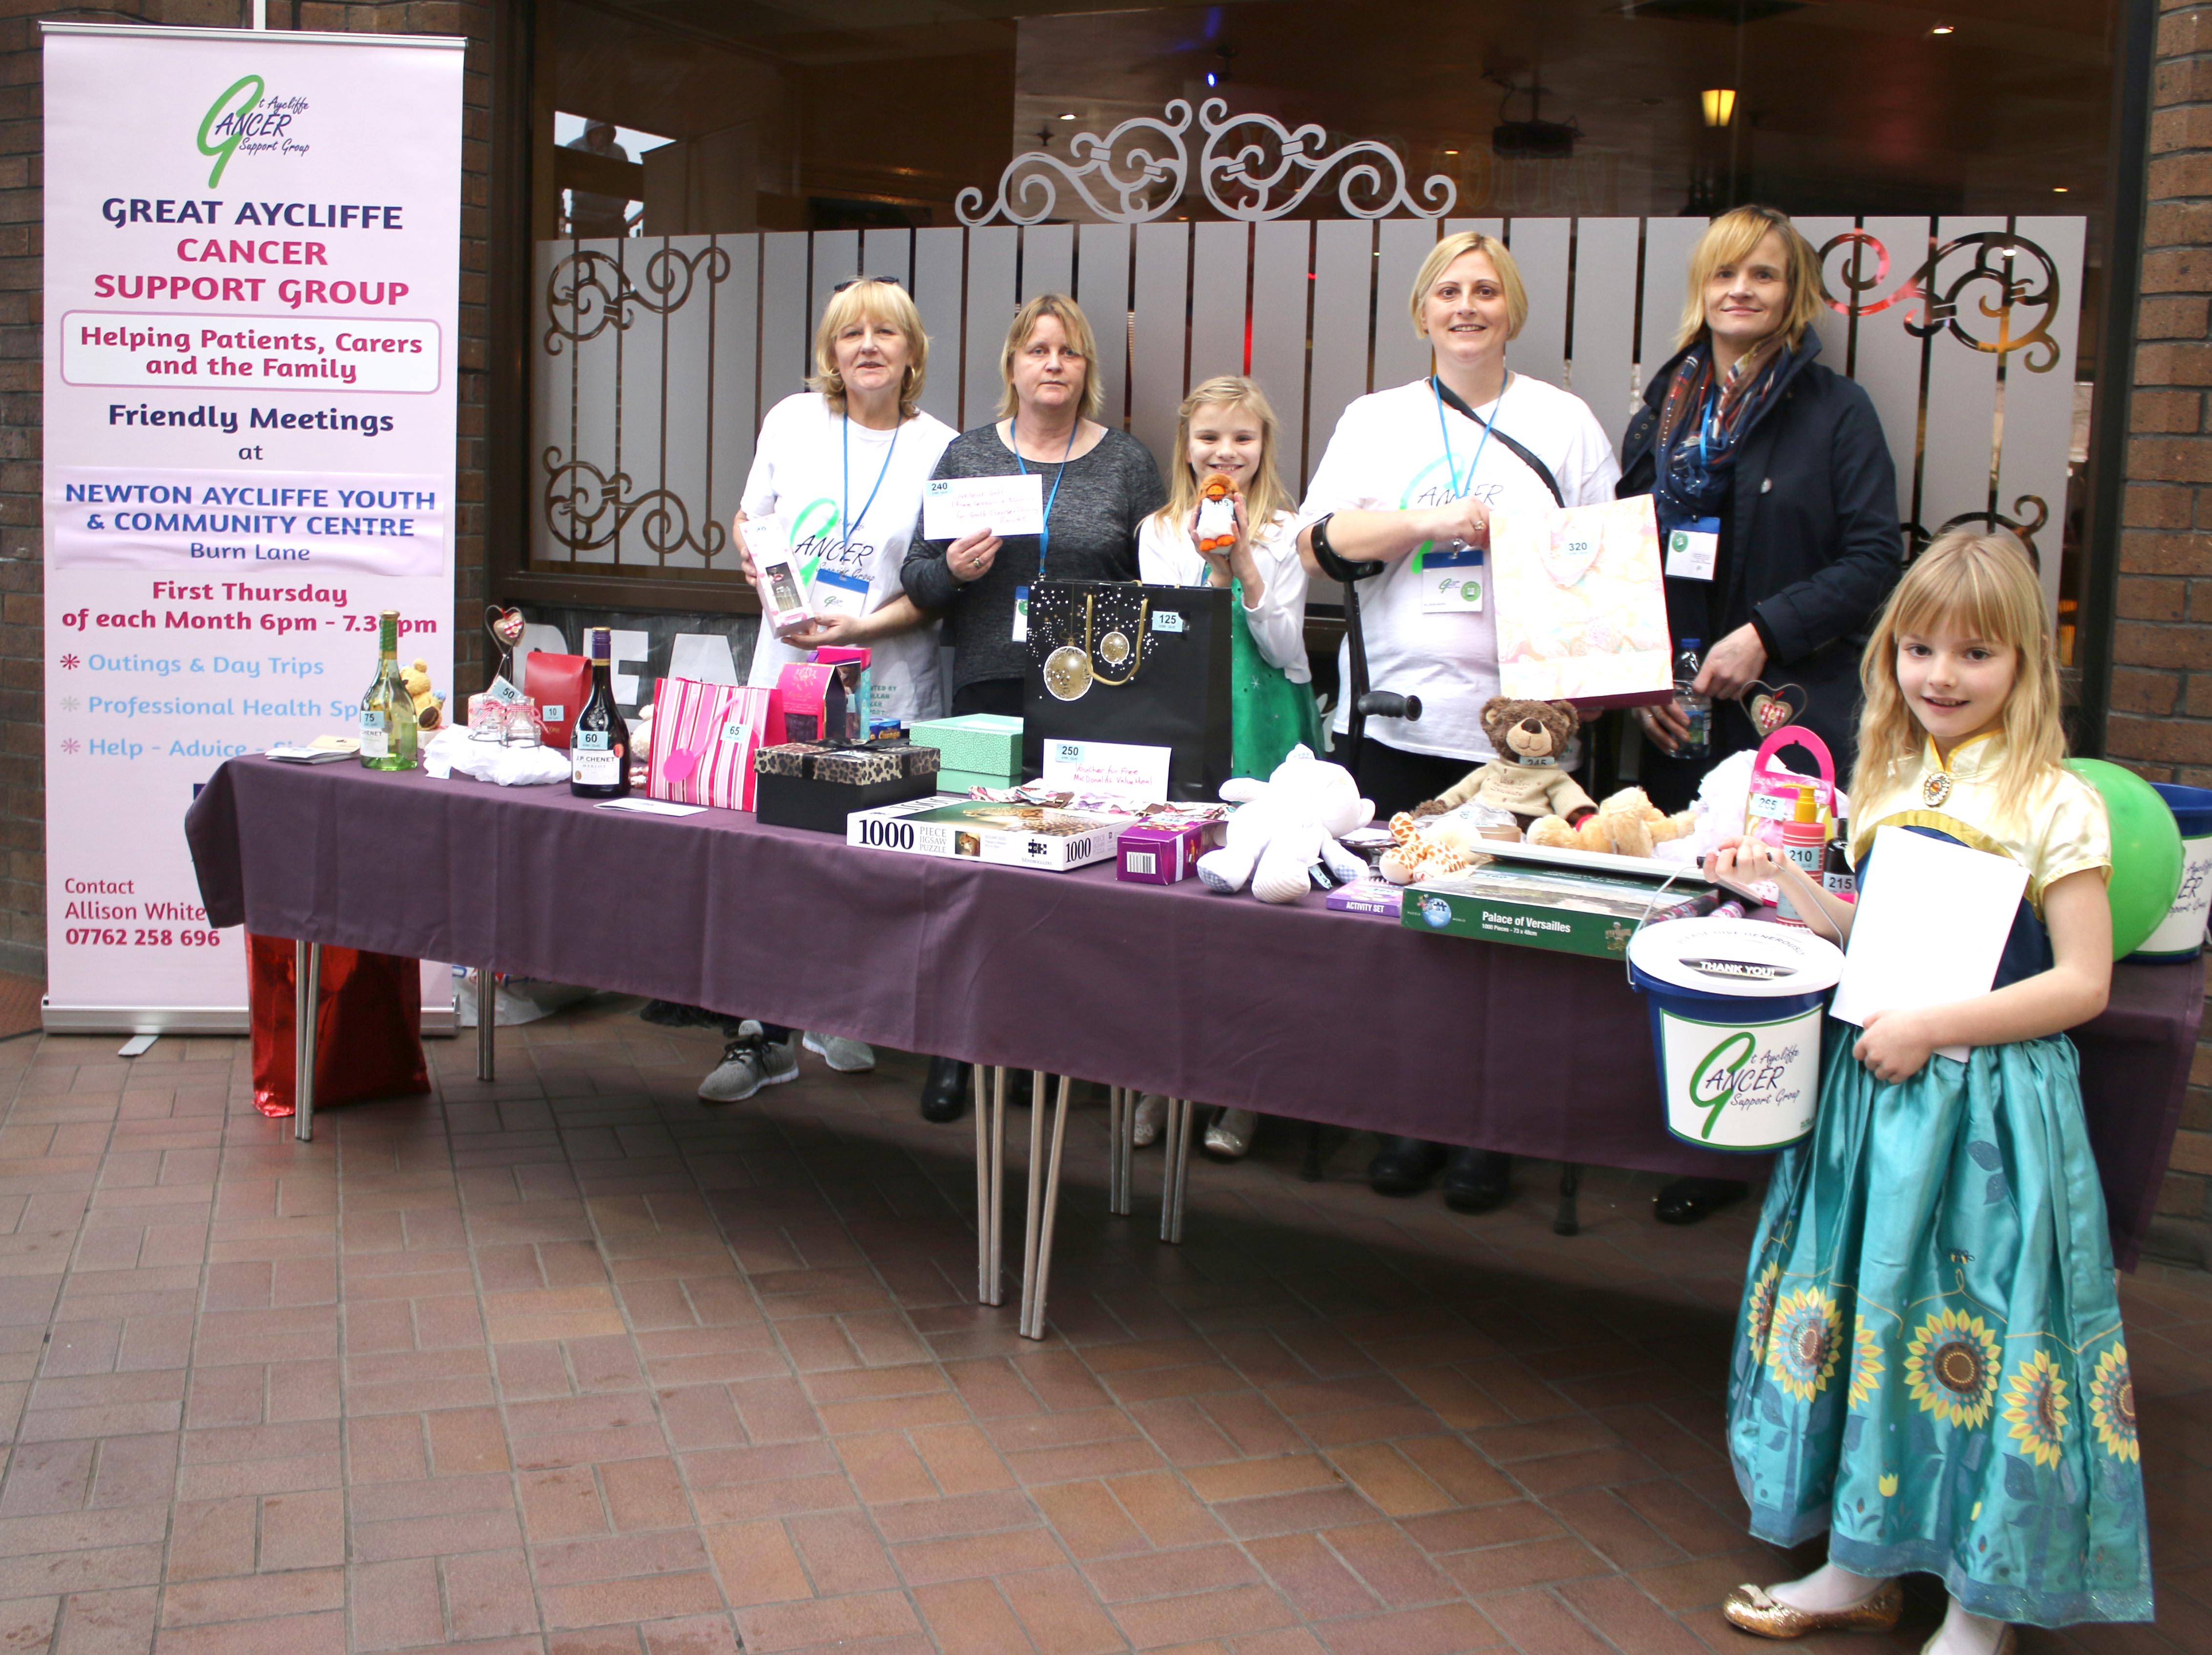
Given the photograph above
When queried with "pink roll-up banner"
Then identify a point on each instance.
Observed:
(252, 292)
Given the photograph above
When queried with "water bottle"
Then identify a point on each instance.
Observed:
(1698, 709)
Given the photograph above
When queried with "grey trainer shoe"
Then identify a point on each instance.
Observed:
(748, 1062)
(846, 1056)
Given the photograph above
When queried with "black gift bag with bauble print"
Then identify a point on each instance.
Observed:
(1137, 666)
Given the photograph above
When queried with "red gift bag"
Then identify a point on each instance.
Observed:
(558, 683)
(368, 1025)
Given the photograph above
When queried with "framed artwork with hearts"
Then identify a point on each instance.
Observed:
(1582, 604)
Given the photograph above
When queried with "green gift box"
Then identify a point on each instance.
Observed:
(985, 745)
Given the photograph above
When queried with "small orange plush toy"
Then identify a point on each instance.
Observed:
(1217, 514)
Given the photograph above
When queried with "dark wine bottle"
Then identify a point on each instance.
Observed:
(598, 741)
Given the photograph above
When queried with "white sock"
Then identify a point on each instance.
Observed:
(1828, 1589)
(1965, 1633)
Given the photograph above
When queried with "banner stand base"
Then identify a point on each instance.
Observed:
(438, 1022)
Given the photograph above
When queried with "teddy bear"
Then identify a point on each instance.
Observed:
(1283, 826)
(1525, 778)
(430, 704)
(1626, 823)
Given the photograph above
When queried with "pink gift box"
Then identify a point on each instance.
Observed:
(1159, 856)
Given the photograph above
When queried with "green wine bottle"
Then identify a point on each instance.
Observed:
(387, 710)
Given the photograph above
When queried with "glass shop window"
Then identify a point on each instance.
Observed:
(1951, 158)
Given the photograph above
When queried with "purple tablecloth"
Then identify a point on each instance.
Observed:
(1344, 1018)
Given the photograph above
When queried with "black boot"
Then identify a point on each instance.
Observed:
(944, 1093)
(1477, 1180)
(1691, 1200)
(1404, 1167)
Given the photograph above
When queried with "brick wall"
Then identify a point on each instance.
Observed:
(22, 791)
(2161, 708)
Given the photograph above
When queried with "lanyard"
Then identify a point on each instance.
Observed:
(1444, 431)
(1705, 418)
(845, 501)
(1044, 534)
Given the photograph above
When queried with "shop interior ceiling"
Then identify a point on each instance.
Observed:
(1844, 105)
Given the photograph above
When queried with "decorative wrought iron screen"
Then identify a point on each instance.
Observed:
(654, 358)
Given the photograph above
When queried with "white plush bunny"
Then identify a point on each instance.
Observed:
(1283, 826)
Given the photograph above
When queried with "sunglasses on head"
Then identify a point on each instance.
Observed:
(855, 280)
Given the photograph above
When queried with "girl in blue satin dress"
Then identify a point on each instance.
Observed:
(1929, 1365)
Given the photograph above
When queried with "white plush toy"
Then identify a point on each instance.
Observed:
(1283, 826)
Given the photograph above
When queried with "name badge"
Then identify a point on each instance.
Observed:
(1693, 549)
(1451, 581)
(1021, 614)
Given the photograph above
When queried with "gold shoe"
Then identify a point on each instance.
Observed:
(1759, 1611)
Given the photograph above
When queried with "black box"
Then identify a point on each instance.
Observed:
(821, 807)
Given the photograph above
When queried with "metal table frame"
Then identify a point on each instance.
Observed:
(1042, 1211)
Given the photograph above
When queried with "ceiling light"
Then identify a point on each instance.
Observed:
(2058, 189)
(1942, 28)
(1719, 103)
(1451, 152)
(1068, 115)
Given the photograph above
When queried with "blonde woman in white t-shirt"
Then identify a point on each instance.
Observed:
(840, 467)
(1409, 482)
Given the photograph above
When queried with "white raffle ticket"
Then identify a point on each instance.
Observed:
(953, 508)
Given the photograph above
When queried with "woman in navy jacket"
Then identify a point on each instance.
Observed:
(1774, 468)
(1781, 460)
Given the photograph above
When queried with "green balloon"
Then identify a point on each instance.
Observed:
(2146, 851)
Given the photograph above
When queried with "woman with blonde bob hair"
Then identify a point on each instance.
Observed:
(1096, 485)
(1777, 510)
(1401, 502)
(839, 470)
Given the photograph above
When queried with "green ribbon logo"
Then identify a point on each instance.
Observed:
(817, 516)
(1712, 1083)
(217, 112)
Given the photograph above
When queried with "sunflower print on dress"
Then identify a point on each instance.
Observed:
(2112, 1405)
(1866, 1362)
(2036, 1407)
(1759, 1311)
(1807, 1339)
(1951, 1367)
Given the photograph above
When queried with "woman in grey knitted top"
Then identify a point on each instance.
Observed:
(1099, 486)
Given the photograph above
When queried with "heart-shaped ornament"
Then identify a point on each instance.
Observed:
(1570, 552)
(504, 625)
(1769, 714)
(678, 765)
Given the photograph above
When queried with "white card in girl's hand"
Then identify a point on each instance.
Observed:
(1929, 927)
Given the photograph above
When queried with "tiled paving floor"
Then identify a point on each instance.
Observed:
(572, 1364)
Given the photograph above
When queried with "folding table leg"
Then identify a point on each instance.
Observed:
(307, 973)
(1029, 1231)
(1120, 1147)
(1175, 1175)
(1033, 1321)
(990, 1184)
(487, 1021)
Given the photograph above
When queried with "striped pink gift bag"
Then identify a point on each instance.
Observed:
(704, 737)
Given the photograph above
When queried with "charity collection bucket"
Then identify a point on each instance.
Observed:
(1736, 1008)
(2180, 934)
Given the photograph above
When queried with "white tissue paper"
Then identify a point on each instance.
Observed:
(451, 749)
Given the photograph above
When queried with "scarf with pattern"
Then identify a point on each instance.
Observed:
(1692, 476)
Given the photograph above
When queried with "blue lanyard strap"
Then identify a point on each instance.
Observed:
(852, 524)
(1044, 535)
(1451, 469)
(1444, 431)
